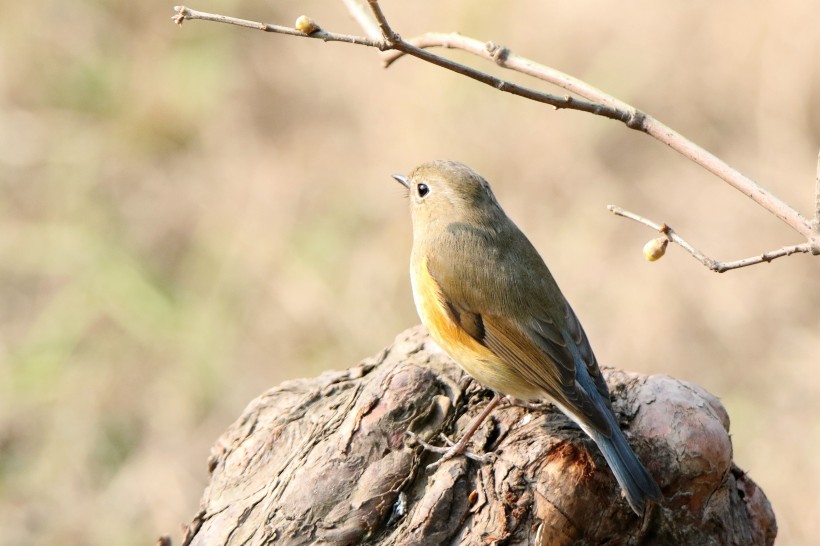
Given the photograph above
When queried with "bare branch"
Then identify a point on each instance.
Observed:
(505, 58)
(515, 89)
(363, 16)
(556, 101)
(740, 182)
(712, 264)
(803, 248)
(670, 234)
(817, 196)
(635, 119)
(387, 32)
(184, 13)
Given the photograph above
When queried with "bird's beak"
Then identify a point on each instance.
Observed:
(402, 180)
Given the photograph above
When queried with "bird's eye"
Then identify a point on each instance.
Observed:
(423, 189)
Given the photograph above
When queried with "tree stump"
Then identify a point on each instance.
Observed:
(326, 461)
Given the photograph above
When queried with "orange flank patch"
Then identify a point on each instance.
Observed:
(477, 360)
(432, 308)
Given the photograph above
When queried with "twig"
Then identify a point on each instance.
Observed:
(803, 248)
(633, 118)
(362, 15)
(385, 43)
(184, 14)
(817, 195)
(668, 231)
(505, 58)
(712, 264)
(387, 32)
(515, 89)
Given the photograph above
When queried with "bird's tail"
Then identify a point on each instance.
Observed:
(634, 479)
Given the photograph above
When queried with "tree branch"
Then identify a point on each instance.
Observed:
(640, 121)
(597, 102)
(712, 264)
(817, 195)
(361, 13)
(505, 58)
(387, 32)
(184, 13)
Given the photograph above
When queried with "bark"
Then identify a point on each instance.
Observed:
(325, 461)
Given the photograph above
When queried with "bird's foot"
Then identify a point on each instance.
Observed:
(453, 449)
(460, 447)
(513, 401)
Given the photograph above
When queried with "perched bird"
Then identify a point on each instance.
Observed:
(488, 299)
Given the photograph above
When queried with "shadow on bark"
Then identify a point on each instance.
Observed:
(324, 461)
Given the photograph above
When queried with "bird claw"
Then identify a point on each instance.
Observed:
(453, 449)
(513, 401)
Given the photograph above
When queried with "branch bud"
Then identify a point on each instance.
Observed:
(655, 249)
(306, 24)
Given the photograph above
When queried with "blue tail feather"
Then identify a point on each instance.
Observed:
(634, 479)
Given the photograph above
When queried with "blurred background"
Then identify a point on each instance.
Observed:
(191, 216)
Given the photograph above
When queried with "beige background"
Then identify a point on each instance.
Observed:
(188, 217)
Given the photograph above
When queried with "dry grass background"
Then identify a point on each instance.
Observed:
(188, 217)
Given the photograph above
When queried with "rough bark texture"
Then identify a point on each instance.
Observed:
(324, 461)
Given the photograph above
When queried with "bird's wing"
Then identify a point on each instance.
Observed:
(505, 298)
(547, 362)
(547, 349)
(577, 339)
(540, 354)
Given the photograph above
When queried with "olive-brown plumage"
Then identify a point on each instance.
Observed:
(488, 299)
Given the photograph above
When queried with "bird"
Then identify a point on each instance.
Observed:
(489, 301)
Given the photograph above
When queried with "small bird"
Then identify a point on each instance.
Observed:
(487, 298)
